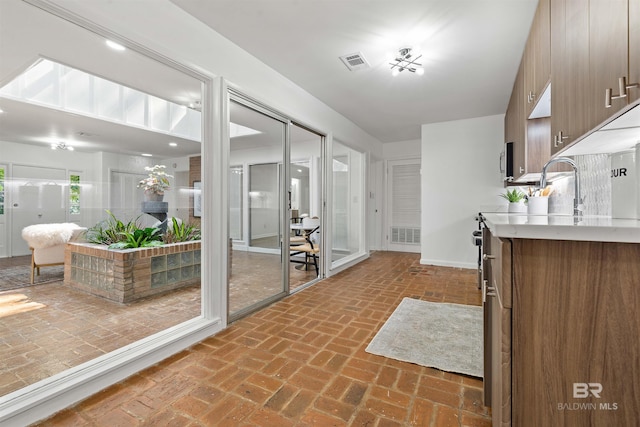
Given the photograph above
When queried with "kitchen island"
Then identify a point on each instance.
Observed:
(562, 327)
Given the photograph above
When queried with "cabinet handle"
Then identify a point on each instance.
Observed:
(531, 97)
(622, 89)
(491, 291)
(521, 169)
(484, 291)
(487, 257)
(560, 138)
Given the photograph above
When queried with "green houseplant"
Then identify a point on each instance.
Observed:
(513, 196)
(181, 232)
(111, 230)
(516, 199)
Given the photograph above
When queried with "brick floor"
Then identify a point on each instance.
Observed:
(301, 362)
(48, 328)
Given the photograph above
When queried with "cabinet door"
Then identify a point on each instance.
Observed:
(514, 124)
(575, 320)
(500, 363)
(634, 48)
(486, 320)
(497, 377)
(542, 46)
(570, 93)
(537, 57)
(608, 41)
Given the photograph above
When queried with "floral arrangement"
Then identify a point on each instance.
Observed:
(158, 180)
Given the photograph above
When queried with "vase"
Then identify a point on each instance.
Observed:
(151, 196)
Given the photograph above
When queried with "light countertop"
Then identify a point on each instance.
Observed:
(563, 227)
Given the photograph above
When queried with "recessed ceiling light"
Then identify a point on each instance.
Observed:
(1, 111)
(173, 144)
(115, 46)
(147, 155)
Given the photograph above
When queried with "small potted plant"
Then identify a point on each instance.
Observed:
(516, 200)
(156, 183)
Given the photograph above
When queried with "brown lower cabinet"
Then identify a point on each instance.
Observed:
(564, 332)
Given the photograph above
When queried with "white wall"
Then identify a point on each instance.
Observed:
(95, 171)
(410, 149)
(460, 177)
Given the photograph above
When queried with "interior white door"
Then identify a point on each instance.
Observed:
(403, 210)
(37, 197)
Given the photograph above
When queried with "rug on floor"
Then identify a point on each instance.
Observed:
(20, 276)
(437, 335)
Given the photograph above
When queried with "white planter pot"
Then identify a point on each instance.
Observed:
(518, 207)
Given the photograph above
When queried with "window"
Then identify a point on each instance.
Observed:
(74, 194)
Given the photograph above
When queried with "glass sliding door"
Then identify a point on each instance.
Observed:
(348, 205)
(305, 201)
(256, 274)
(117, 121)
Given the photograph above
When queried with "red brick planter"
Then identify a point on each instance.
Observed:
(130, 274)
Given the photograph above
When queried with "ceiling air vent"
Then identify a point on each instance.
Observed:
(354, 61)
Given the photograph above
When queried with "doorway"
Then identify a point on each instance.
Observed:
(404, 205)
(257, 142)
(37, 198)
(267, 203)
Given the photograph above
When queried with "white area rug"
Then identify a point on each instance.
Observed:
(437, 335)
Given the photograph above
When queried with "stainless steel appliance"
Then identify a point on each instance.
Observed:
(482, 239)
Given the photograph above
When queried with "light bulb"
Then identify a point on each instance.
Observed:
(395, 72)
(419, 71)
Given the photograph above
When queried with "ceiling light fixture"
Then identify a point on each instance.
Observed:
(405, 60)
(173, 144)
(146, 155)
(61, 146)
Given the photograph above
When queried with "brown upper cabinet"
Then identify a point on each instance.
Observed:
(569, 71)
(514, 126)
(593, 61)
(537, 56)
(609, 58)
(532, 79)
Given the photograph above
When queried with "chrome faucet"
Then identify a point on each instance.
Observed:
(577, 196)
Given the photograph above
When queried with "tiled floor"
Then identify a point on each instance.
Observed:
(301, 362)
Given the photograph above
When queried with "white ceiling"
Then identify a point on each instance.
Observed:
(471, 51)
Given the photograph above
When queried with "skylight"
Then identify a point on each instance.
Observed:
(53, 85)
(64, 88)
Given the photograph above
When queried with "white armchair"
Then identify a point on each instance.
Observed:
(47, 243)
